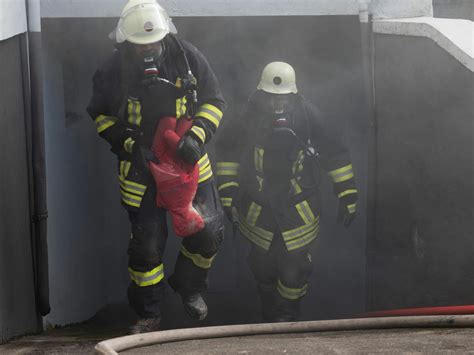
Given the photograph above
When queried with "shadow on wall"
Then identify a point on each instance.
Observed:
(460, 9)
(326, 54)
(422, 250)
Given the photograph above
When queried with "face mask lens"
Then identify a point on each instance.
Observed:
(153, 52)
(280, 103)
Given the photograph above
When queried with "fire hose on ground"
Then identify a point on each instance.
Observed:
(433, 317)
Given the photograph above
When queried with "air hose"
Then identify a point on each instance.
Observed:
(113, 346)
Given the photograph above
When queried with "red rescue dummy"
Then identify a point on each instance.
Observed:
(176, 181)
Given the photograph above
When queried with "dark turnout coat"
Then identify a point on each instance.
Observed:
(121, 105)
(269, 176)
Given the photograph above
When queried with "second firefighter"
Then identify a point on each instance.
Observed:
(268, 169)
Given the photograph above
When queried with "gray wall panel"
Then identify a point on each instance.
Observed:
(89, 239)
(423, 244)
(87, 235)
(17, 299)
(463, 9)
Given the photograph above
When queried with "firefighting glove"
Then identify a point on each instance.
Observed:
(138, 154)
(189, 149)
(346, 213)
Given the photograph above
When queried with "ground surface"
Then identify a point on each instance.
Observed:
(79, 340)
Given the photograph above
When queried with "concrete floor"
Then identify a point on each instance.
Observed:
(81, 340)
(113, 321)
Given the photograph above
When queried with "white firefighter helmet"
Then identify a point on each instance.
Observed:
(143, 22)
(278, 78)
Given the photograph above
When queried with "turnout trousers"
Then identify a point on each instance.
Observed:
(147, 246)
(282, 278)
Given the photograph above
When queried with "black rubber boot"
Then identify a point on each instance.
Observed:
(267, 300)
(195, 306)
(286, 310)
(145, 325)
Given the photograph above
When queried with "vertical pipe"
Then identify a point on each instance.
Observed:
(368, 56)
(38, 189)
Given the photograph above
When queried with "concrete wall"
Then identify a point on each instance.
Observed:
(17, 298)
(89, 231)
(86, 231)
(461, 9)
(421, 254)
(382, 9)
(12, 18)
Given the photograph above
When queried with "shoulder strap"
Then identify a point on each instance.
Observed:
(188, 78)
(124, 81)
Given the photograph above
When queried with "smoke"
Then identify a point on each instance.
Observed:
(326, 54)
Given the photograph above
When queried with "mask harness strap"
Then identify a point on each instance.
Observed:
(124, 71)
(189, 82)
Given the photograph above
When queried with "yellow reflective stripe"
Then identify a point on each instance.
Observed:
(148, 278)
(344, 169)
(260, 183)
(253, 213)
(227, 168)
(131, 200)
(205, 170)
(128, 144)
(296, 187)
(342, 174)
(347, 192)
(300, 231)
(291, 293)
(203, 161)
(253, 237)
(226, 201)
(258, 159)
(227, 184)
(205, 175)
(134, 112)
(304, 240)
(259, 232)
(298, 163)
(305, 212)
(198, 260)
(181, 107)
(200, 133)
(133, 187)
(352, 208)
(103, 122)
(124, 169)
(211, 113)
(132, 183)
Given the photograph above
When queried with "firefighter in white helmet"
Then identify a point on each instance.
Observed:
(268, 171)
(153, 74)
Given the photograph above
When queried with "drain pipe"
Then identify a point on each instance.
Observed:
(368, 67)
(114, 346)
(36, 149)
